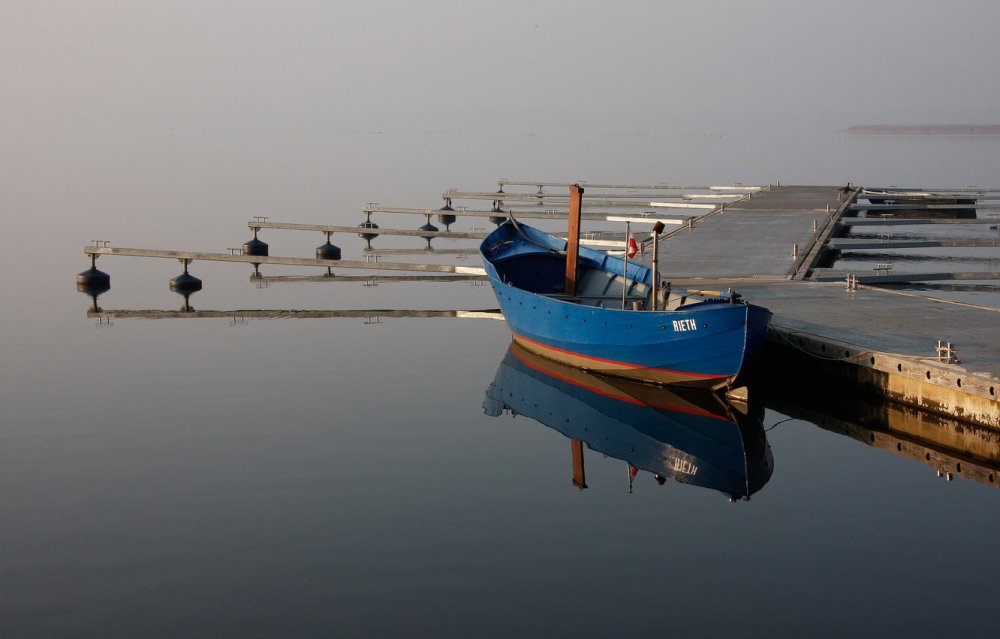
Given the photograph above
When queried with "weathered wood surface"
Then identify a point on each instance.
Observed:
(893, 221)
(358, 230)
(372, 278)
(647, 186)
(868, 276)
(588, 198)
(922, 207)
(601, 202)
(544, 214)
(195, 256)
(244, 313)
(855, 244)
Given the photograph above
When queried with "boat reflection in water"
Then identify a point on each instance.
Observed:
(691, 437)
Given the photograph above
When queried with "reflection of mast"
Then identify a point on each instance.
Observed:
(579, 475)
(692, 438)
(632, 472)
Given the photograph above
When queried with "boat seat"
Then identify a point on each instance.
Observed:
(600, 288)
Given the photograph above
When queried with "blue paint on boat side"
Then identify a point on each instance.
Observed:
(708, 341)
(692, 437)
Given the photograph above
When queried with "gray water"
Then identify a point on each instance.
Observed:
(313, 477)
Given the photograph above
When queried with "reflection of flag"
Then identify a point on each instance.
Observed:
(633, 248)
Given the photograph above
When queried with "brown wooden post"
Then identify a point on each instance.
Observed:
(579, 476)
(573, 236)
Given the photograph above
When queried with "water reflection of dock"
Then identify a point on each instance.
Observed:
(951, 447)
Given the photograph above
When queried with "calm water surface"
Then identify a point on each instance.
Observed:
(212, 477)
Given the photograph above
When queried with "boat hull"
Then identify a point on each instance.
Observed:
(710, 344)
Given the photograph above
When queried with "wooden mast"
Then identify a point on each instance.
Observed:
(573, 237)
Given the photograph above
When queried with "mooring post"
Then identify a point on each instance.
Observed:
(573, 237)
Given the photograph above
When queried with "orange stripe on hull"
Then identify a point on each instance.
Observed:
(622, 369)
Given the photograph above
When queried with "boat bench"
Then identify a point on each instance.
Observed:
(600, 288)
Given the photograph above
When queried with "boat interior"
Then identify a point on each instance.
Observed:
(545, 274)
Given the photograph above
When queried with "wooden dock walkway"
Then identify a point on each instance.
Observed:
(540, 184)
(593, 201)
(768, 249)
(243, 313)
(923, 207)
(767, 236)
(532, 214)
(773, 245)
(358, 230)
(194, 256)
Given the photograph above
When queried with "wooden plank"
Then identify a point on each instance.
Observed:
(373, 279)
(923, 207)
(325, 228)
(534, 197)
(969, 189)
(895, 221)
(281, 261)
(658, 186)
(592, 202)
(854, 244)
(869, 276)
(461, 252)
(243, 313)
(545, 214)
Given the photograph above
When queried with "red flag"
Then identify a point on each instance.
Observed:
(633, 248)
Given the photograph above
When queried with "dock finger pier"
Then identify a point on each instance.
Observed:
(856, 307)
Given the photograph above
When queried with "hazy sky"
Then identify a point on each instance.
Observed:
(140, 116)
(533, 62)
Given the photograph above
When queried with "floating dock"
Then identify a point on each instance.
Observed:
(769, 249)
(774, 245)
(196, 256)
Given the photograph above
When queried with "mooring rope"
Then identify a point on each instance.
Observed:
(810, 353)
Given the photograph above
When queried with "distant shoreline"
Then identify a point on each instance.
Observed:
(925, 129)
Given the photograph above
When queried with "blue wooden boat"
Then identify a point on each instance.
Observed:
(609, 324)
(690, 436)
